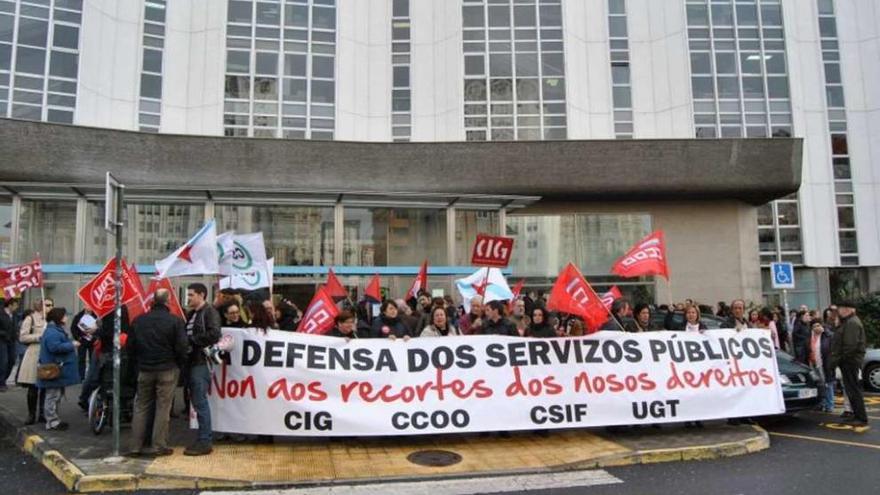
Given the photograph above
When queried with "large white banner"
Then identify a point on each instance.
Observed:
(281, 383)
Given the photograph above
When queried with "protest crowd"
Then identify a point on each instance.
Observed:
(166, 347)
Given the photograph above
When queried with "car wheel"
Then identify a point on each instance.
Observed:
(872, 377)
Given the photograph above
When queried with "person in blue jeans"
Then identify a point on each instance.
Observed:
(203, 331)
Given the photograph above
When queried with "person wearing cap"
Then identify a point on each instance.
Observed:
(848, 353)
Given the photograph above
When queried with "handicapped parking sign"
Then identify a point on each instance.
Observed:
(782, 275)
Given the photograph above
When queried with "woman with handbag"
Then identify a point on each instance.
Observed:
(57, 365)
(32, 328)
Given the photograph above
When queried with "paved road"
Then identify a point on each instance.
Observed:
(810, 454)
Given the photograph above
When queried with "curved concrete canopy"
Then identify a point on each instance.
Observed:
(751, 170)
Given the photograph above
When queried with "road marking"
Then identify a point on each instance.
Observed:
(826, 440)
(835, 414)
(461, 486)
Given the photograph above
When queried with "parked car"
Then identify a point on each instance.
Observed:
(800, 384)
(871, 370)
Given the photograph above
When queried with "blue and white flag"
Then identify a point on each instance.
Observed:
(487, 282)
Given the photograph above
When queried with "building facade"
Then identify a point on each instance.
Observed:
(388, 71)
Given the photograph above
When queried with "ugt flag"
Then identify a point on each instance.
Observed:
(572, 294)
(647, 257)
(240, 253)
(486, 282)
(197, 257)
(420, 283)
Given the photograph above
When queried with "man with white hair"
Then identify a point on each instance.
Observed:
(472, 323)
(405, 312)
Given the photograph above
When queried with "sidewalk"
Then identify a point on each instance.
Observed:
(76, 456)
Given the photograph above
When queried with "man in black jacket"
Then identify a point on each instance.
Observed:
(496, 323)
(203, 331)
(8, 339)
(157, 344)
(848, 353)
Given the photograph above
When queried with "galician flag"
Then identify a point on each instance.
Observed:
(487, 282)
(197, 257)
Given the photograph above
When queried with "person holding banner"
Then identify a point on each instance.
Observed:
(692, 321)
(388, 325)
(345, 326)
(472, 323)
(737, 318)
(539, 326)
(496, 323)
(440, 325)
(32, 328)
(203, 331)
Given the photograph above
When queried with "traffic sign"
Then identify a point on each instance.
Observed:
(782, 275)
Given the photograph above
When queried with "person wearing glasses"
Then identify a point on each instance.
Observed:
(232, 315)
(32, 328)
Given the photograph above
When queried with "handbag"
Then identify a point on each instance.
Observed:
(49, 371)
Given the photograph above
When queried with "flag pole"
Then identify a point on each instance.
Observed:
(42, 292)
(671, 299)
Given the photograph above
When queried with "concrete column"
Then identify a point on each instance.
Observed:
(338, 233)
(79, 244)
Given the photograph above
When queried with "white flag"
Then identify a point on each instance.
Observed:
(242, 253)
(260, 276)
(488, 282)
(197, 257)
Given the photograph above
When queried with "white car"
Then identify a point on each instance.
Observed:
(871, 370)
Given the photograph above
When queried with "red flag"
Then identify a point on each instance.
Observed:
(173, 303)
(517, 289)
(16, 279)
(135, 304)
(333, 287)
(373, 293)
(572, 294)
(647, 257)
(420, 283)
(319, 316)
(609, 297)
(99, 293)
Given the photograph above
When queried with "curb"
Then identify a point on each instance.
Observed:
(76, 481)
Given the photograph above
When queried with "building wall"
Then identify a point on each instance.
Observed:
(706, 263)
(858, 29)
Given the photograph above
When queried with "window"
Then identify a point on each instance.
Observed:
(394, 236)
(47, 227)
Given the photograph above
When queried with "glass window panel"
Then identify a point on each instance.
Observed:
(591, 241)
(294, 65)
(527, 90)
(238, 87)
(826, 7)
(701, 63)
(771, 15)
(7, 26)
(750, 63)
(765, 214)
(500, 65)
(777, 87)
(553, 88)
(728, 87)
(400, 8)
(620, 74)
(32, 31)
(65, 36)
(697, 15)
(323, 91)
(266, 63)
(475, 90)
(5, 57)
(835, 96)
(832, 73)
(499, 16)
(154, 13)
(524, 16)
(775, 63)
(474, 65)
(790, 239)
(746, 15)
(788, 213)
(63, 64)
(151, 86)
(725, 63)
(622, 97)
(240, 11)
(469, 223)
(702, 87)
(401, 77)
(846, 217)
(722, 15)
(265, 88)
(473, 16)
(153, 61)
(827, 27)
(5, 230)
(48, 228)
(617, 27)
(30, 60)
(839, 144)
(236, 61)
(502, 89)
(323, 18)
(753, 87)
(552, 64)
(268, 13)
(394, 236)
(551, 15)
(526, 64)
(767, 240)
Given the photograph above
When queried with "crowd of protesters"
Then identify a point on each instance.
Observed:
(168, 351)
